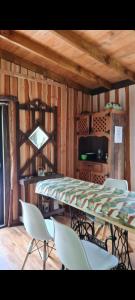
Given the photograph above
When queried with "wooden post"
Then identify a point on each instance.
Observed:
(127, 142)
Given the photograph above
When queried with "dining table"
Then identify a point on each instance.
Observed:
(113, 206)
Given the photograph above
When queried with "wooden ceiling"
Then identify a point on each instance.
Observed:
(85, 59)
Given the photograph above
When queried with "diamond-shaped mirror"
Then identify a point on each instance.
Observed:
(38, 137)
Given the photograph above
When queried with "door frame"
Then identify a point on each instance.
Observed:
(5, 186)
(4, 103)
(1, 175)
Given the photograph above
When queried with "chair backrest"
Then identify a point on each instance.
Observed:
(69, 248)
(34, 222)
(116, 183)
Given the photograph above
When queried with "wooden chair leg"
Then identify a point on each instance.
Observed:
(28, 252)
(44, 256)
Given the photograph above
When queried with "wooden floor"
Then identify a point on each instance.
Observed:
(13, 246)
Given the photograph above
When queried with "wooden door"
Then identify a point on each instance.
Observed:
(85, 174)
(98, 177)
(4, 165)
(101, 124)
(83, 124)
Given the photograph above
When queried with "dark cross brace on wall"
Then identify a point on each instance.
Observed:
(38, 138)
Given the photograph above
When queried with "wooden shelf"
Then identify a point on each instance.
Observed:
(101, 132)
(34, 179)
(89, 162)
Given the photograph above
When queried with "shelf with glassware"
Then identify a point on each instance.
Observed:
(100, 145)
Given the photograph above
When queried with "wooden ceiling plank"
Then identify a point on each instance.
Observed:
(93, 51)
(38, 69)
(46, 52)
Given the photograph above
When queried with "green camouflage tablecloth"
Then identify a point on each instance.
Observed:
(110, 202)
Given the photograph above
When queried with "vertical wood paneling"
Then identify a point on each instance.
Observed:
(63, 128)
(44, 92)
(102, 101)
(23, 149)
(2, 84)
(89, 103)
(75, 131)
(32, 95)
(92, 104)
(44, 99)
(79, 103)
(53, 101)
(59, 130)
(84, 103)
(38, 94)
(38, 117)
(14, 86)
(27, 117)
(122, 97)
(116, 96)
(67, 108)
(131, 130)
(95, 103)
(48, 123)
(68, 132)
(107, 97)
(71, 133)
(112, 96)
(7, 85)
(13, 155)
(98, 102)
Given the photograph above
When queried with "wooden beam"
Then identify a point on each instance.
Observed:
(116, 85)
(38, 69)
(90, 49)
(45, 52)
(8, 98)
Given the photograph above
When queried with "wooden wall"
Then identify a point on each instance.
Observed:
(26, 85)
(126, 97)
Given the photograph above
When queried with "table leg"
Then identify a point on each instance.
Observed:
(80, 224)
(119, 238)
(84, 228)
(120, 249)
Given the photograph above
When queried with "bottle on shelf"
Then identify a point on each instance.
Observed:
(99, 154)
(106, 157)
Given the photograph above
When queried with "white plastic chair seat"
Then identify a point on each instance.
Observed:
(38, 228)
(116, 183)
(98, 258)
(50, 227)
(76, 254)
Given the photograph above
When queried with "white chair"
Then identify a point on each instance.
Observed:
(76, 254)
(38, 228)
(116, 183)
